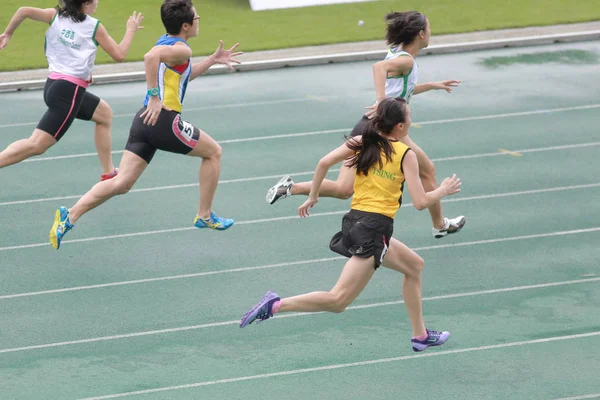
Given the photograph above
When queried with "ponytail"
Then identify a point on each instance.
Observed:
(390, 112)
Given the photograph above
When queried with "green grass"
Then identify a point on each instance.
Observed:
(233, 21)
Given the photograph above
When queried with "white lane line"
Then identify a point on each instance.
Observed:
(258, 178)
(214, 107)
(292, 315)
(341, 130)
(350, 365)
(279, 265)
(586, 396)
(289, 217)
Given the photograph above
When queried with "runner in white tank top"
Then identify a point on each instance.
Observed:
(71, 44)
(395, 76)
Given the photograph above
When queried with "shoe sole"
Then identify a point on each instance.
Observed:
(53, 237)
(216, 229)
(422, 347)
(273, 191)
(461, 224)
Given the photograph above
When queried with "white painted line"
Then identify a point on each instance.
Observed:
(169, 278)
(317, 59)
(258, 178)
(213, 107)
(349, 365)
(289, 217)
(278, 265)
(168, 187)
(586, 396)
(341, 130)
(281, 316)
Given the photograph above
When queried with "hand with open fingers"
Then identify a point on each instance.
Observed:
(451, 185)
(135, 22)
(303, 209)
(372, 110)
(221, 56)
(4, 38)
(155, 106)
(446, 85)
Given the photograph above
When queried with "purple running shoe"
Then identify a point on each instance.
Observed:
(433, 339)
(261, 311)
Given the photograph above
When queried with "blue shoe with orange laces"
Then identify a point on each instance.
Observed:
(213, 222)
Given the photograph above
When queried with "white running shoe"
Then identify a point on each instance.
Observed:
(450, 226)
(282, 190)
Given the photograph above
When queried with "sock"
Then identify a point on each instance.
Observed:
(421, 338)
(275, 307)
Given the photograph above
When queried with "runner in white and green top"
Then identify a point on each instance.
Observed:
(395, 76)
(71, 44)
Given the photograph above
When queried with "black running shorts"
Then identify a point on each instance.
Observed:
(66, 101)
(170, 133)
(363, 234)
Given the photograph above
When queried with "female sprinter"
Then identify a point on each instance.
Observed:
(396, 76)
(158, 125)
(383, 162)
(71, 44)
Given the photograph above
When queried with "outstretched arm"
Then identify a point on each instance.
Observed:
(220, 56)
(335, 156)
(118, 52)
(445, 85)
(36, 14)
(421, 199)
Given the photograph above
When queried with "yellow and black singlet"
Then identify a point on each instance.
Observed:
(381, 190)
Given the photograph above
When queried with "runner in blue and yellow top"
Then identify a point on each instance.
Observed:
(382, 164)
(158, 124)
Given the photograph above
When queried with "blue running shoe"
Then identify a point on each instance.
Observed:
(261, 311)
(61, 226)
(214, 222)
(433, 339)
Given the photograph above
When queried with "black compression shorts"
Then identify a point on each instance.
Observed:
(66, 101)
(170, 133)
(363, 234)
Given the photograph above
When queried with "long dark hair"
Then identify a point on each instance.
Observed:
(390, 112)
(403, 27)
(72, 9)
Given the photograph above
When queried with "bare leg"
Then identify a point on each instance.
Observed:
(130, 169)
(427, 174)
(400, 258)
(210, 152)
(356, 274)
(36, 144)
(342, 188)
(102, 137)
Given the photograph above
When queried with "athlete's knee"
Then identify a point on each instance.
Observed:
(339, 303)
(416, 267)
(103, 114)
(122, 186)
(37, 147)
(216, 153)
